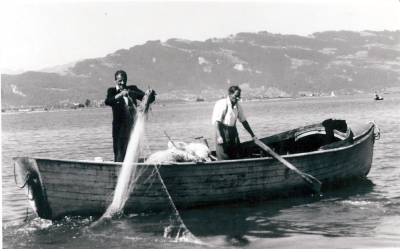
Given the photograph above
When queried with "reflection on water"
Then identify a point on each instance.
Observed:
(334, 214)
(368, 208)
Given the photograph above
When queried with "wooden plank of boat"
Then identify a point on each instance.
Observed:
(70, 187)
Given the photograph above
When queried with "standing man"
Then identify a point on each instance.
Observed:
(226, 112)
(122, 99)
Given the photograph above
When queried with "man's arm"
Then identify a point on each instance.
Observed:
(152, 96)
(217, 119)
(248, 129)
(243, 120)
(113, 97)
(140, 94)
(218, 132)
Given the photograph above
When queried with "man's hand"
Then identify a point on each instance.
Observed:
(220, 140)
(150, 92)
(125, 92)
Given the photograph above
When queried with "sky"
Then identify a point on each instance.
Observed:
(43, 34)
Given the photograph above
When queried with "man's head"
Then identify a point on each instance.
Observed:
(121, 79)
(234, 94)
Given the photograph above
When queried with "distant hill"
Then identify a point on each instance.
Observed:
(10, 71)
(59, 69)
(263, 64)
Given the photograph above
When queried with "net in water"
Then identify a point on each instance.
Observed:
(129, 174)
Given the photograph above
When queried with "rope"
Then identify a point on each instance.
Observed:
(153, 173)
(177, 215)
(26, 217)
(175, 210)
(27, 178)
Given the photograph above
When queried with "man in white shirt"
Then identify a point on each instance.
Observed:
(226, 112)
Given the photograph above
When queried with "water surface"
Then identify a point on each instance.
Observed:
(362, 214)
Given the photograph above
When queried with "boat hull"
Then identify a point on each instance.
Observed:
(86, 187)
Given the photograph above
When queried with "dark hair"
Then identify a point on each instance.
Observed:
(122, 73)
(232, 89)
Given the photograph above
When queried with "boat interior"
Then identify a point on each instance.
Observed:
(326, 135)
(312, 142)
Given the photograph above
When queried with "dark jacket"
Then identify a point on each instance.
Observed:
(118, 106)
(123, 118)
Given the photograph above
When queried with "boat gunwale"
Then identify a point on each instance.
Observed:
(357, 140)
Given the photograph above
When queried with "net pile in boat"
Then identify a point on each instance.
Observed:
(181, 152)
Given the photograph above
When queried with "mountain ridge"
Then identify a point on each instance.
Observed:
(264, 64)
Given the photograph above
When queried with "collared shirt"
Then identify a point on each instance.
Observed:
(125, 98)
(231, 114)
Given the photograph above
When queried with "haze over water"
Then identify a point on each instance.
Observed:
(364, 214)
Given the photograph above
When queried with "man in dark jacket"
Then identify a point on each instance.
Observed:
(122, 99)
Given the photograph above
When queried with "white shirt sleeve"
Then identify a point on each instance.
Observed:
(219, 108)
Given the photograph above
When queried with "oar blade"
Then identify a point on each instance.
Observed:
(313, 182)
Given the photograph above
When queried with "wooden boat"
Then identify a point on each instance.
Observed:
(56, 188)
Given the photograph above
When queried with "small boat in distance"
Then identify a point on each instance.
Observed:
(377, 97)
(329, 151)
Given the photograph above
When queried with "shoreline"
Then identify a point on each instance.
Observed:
(166, 102)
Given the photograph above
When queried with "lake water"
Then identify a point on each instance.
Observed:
(365, 214)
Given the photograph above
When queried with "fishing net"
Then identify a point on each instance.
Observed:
(178, 152)
(181, 152)
(129, 171)
(129, 174)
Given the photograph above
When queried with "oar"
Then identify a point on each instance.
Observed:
(310, 180)
(170, 140)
